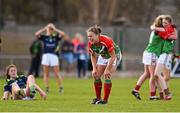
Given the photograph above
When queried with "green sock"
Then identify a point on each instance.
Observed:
(32, 88)
(107, 81)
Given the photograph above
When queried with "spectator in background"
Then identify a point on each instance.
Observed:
(50, 50)
(76, 40)
(36, 53)
(82, 57)
(67, 53)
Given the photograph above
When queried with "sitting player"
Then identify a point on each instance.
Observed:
(20, 87)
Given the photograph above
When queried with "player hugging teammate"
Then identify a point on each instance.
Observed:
(157, 58)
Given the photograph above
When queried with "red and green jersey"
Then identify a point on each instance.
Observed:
(168, 46)
(104, 47)
(169, 29)
(155, 44)
(158, 45)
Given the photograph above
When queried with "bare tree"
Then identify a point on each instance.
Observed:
(54, 10)
(138, 12)
(112, 10)
(96, 11)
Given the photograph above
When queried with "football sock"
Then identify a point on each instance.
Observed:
(61, 89)
(137, 87)
(107, 89)
(161, 95)
(32, 88)
(47, 89)
(166, 91)
(98, 87)
(152, 93)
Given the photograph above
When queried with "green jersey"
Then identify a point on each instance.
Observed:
(155, 44)
(168, 46)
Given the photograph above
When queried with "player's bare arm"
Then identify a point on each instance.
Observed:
(154, 28)
(38, 33)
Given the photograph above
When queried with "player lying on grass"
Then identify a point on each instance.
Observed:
(20, 87)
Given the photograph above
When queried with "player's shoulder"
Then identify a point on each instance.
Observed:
(43, 37)
(9, 82)
(55, 35)
(6, 82)
(22, 76)
(104, 38)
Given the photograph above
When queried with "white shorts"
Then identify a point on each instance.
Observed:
(103, 61)
(165, 59)
(50, 60)
(149, 58)
(27, 92)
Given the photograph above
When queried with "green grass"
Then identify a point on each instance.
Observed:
(79, 93)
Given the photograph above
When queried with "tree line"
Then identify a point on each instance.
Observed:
(135, 12)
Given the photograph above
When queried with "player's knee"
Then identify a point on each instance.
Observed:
(107, 77)
(96, 77)
(31, 77)
(157, 73)
(155, 77)
(166, 79)
(56, 74)
(146, 72)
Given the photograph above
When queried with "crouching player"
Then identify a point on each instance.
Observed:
(105, 57)
(20, 87)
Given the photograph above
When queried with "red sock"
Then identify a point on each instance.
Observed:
(98, 87)
(166, 91)
(153, 93)
(137, 87)
(107, 90)
(161, 94)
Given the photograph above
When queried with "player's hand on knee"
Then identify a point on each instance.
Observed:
(94, 72)
(107, 74)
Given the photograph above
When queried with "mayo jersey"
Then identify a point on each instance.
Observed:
(155, 44)
(104, 47)
(168, 46)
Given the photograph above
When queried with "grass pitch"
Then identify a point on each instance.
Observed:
(78, 94)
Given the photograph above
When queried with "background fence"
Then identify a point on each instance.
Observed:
(16, 41)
